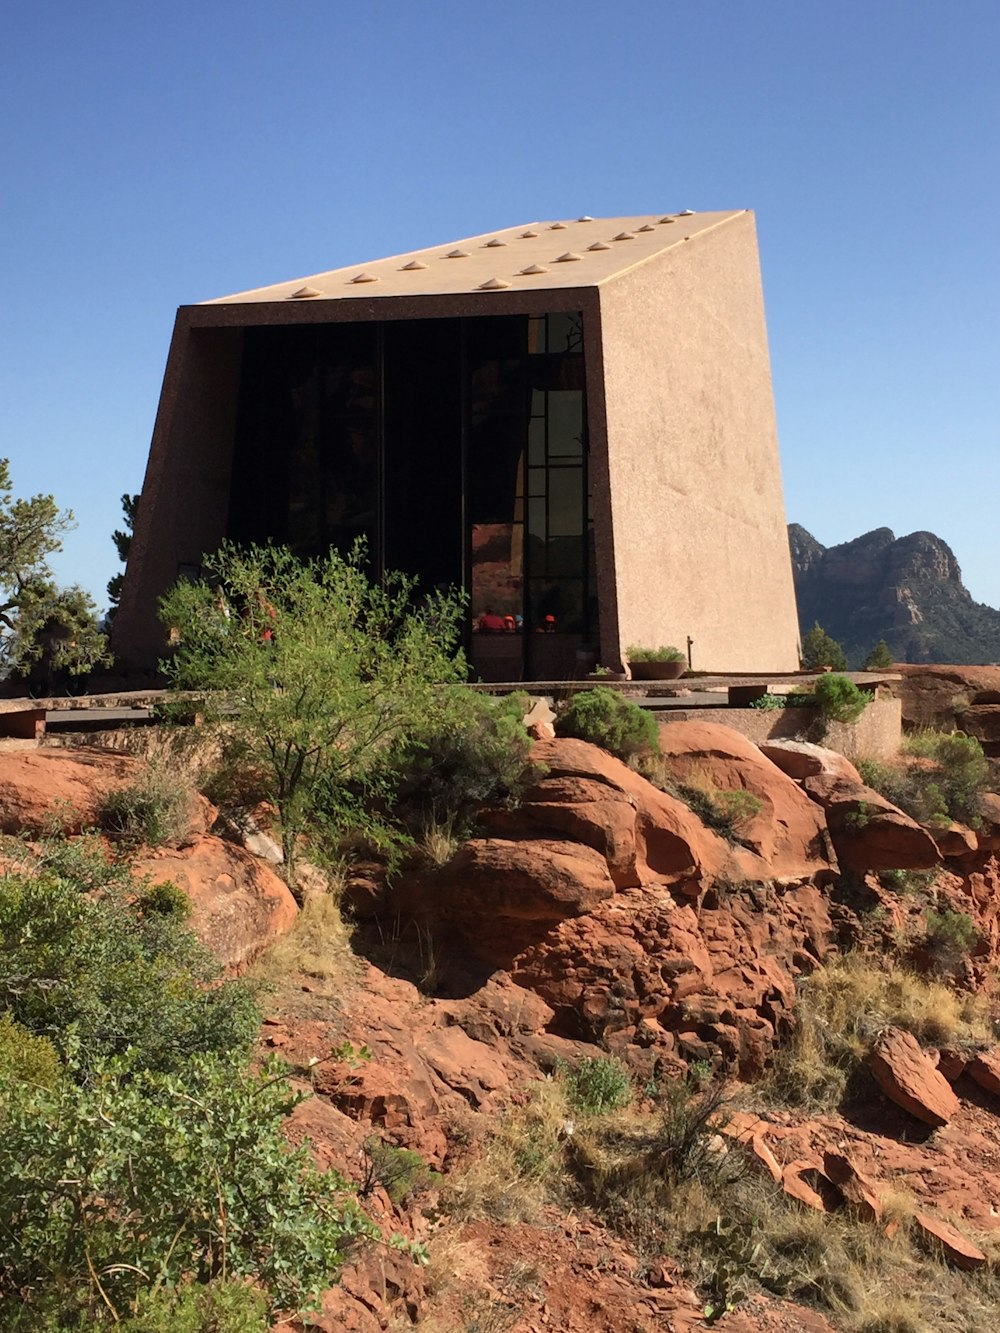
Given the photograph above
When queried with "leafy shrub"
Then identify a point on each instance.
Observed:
(948, 788)
(472, 750)
(952, 932)
(401, 1172)
(907, 881)
(839, 699)
(616, 724)
(819, 650)
(599, 1084)
(165, 899)
(150, 812)
(132, 1180)
(220, 1306)
(635, 653)
(25, 1058)
(328, 669)
(77, 947)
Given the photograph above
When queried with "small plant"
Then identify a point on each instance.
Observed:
(617, 725)
(839, 699)
(952, 932)
(401, 1172)
(941, 782)
(151, 812)
(165, 899)
(907, 881)
(819, 651)
(599, 1084)
(724, 810)
(25, 1058)
(636, 653)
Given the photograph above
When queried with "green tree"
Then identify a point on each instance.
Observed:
(819, 650)
(314, 672)
(120, 1185)
(880, 658)
(37, 618)
(86, 948)
(122, 538)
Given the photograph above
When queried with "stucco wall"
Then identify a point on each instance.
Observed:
(875, 735)
(185, 494)
(700, 543)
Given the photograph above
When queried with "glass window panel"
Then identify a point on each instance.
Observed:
(565, 502)
(536, 334)
(536, 482)
(565, 333)
(536, 440)
(536, 520)
(565, 423)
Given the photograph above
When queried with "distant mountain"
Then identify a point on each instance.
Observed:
(906, 590)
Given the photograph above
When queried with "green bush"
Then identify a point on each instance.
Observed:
(401, 1172)
(151, 812)
(604, 718)
(954, 932)
(819, 650)
(947, 789)
(221, 1306)
(120, 1183)
(599, 1084)
(474, 749)
(839, 699)
(165, 899)
(311, 672)
(79, 947)
(25, 1058)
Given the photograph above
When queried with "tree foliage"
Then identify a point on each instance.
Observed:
(880, 658)
(37, 618)
(819, 650)
(314, 672)
(122, 538)
(117, 1186)
(88, 959)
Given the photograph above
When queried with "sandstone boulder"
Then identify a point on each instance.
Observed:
(802, 759)
(240, 904)
(958, 1249)
(869, 832)
(589, 797)
(985, 1070)
(857, 1189)
(954, 841)
(787, 831)
(41, 789)
(908, 1077)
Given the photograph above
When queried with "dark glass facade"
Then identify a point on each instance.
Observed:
(457, 448)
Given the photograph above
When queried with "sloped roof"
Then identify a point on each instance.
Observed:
(584, 252)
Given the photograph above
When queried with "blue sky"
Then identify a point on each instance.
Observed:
(157, 155)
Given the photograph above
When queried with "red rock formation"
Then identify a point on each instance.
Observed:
(908, 1077)
(240, 904)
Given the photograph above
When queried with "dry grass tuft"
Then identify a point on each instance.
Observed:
(841, 1008)
(318, 947)
(521, 1167)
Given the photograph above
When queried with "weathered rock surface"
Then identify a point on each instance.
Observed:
(645, 836)
(908, 1077)
(869, 832)
(41, 789)
(802, 759)
(240, 904)
(958, 1249)
(985, 1070)
(651, 969)
(857, 1189)
(788, 833)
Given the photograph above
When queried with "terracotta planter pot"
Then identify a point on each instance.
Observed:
(657, 670)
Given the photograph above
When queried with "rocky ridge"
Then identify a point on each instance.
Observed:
(604, 915)
(907, 591)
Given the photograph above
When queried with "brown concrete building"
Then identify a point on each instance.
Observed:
(571, 420)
